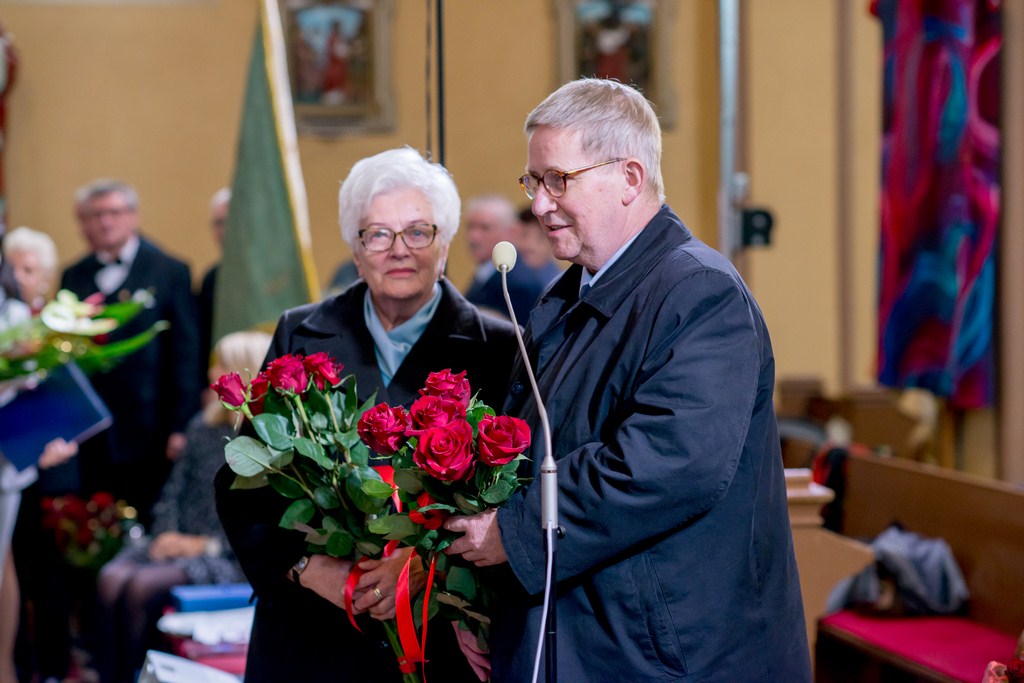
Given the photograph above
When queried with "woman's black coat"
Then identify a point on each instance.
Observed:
(297, 635)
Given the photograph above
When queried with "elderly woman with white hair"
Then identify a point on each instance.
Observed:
(32, 256)
(400, 322)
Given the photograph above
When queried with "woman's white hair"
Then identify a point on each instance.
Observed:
(397, 169)
(39, 243)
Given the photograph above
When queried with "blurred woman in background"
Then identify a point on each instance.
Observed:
(32, 256)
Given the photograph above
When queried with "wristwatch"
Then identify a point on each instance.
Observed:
(299, 567)
(213, 547)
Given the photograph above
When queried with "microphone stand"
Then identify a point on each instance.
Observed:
(504, 258)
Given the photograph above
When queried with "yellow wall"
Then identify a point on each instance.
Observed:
(151, 93)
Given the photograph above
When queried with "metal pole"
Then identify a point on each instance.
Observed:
(728, 211)
(440, 82)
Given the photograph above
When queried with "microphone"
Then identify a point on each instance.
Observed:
(504, 256)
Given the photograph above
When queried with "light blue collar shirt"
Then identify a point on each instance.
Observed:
(392, 347)
(588, 279)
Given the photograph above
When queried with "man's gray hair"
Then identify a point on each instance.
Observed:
(612, 120)
(105, 186)
(500, 204)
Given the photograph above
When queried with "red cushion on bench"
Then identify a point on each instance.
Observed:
(953, 646)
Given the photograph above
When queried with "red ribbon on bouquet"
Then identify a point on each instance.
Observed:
(414, 651)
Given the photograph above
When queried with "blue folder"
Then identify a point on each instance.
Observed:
(62, 405)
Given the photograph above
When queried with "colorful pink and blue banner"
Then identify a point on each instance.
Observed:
(940, 197)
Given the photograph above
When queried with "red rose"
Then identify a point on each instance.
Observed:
(257, 392)
(428, 412)
(382, 428)
(500, 439)
(446, 452)
(83, 536)
(287, 374)
(230, 389)
(322, 369)
(74, 508)
(1015, 670)
(447, 385)
(429, 519)
(102, 499)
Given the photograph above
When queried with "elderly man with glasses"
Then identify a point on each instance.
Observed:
(654, 361)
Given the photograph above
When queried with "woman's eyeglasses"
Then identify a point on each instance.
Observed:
(377, 238)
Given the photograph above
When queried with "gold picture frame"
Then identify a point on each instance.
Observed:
(339, 63)
(621, 39)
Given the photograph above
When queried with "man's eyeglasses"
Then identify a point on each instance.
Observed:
(377, 238)
(112, 212)
(554, 181)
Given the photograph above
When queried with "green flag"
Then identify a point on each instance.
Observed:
(268, 263)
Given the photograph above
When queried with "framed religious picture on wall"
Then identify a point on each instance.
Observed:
(339, 64)
(627, 40)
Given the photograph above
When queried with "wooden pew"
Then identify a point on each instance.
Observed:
(983, 522)
(823, 557)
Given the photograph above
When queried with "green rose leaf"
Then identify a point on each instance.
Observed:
(462, 582)
(354, 488)
(376, 488)
(369, 548)
(474, 415)
(326, 498)
(280, 459)
(393, 527)
(275, 430)
(451, 599)
(467, 504)
(246, 456)
(337, 400)
(313, 536)
(360, 454)
(350, 438)
(351, 404)
(319, 422)
(286, 486)
(316, 402)
(298, 513)
(499, 493)
(340, 544)
(274, 403)
(247, 483)
(409, 482)
(314, 451)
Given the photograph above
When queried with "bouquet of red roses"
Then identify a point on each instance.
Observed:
(451, 454)
(304, 414)
(88, 532)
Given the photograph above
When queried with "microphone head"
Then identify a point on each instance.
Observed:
(504, 254)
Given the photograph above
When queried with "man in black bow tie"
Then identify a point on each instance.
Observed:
(153, 392)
